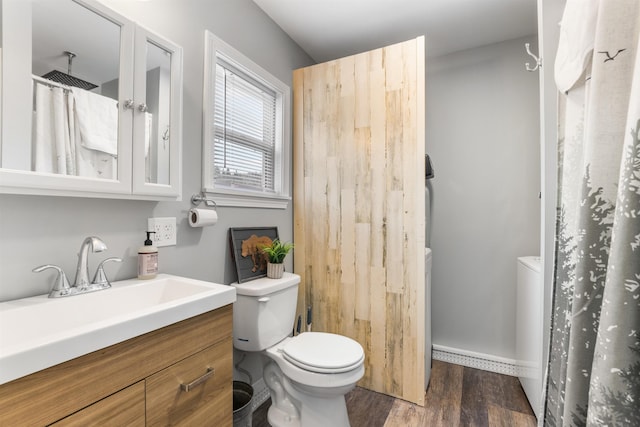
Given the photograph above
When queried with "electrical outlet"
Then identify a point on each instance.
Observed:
(165, 231)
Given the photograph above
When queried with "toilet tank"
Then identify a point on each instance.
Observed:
(264, 311)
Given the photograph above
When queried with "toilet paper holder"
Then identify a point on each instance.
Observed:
(196, 199)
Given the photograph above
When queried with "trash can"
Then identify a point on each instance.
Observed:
(242, 397)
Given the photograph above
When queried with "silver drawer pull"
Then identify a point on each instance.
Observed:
(198, 381)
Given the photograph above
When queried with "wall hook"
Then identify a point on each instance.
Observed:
(538, 60)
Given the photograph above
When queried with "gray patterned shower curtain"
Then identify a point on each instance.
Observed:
(593, 374)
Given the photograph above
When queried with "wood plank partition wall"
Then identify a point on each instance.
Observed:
(359, 219)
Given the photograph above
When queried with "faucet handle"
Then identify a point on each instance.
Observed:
(100, 278)
(61, 286)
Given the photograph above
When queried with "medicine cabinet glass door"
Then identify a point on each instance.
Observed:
(157, 119)
(88, 99)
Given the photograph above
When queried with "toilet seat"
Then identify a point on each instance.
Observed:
(322, 352)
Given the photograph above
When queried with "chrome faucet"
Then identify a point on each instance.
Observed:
(82, 270)
(81, 284)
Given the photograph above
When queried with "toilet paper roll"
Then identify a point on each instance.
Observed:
(202, 217)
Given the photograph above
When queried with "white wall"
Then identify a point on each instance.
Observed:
(38, 230)
(483, 138)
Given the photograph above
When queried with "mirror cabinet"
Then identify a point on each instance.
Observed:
(91, 103)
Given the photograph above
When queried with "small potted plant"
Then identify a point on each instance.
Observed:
(276, 252)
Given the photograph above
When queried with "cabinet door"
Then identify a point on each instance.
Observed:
(208, 398)
(157, 116)
(125, 408)
(366, 126)
(53, 139)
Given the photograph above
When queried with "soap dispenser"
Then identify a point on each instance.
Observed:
(147, 259)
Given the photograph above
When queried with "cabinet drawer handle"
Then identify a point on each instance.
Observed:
(198, 381)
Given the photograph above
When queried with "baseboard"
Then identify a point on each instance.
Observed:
(486, 362)
(260, 394)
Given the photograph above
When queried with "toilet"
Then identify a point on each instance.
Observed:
(308, 374)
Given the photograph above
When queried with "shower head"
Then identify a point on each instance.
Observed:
(67, 78)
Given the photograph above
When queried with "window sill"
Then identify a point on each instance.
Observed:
(249, 201)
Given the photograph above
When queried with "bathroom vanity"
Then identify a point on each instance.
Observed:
(178, 374)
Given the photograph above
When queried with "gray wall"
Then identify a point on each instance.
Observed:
(37, 230)
(483, 137)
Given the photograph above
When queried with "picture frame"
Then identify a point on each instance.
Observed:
(245, 244)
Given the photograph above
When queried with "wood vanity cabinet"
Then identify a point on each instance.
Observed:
(124, 408)
(138, 382)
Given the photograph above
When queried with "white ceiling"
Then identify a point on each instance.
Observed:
(330, 29)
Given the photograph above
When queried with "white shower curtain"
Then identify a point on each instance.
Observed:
(593, 375)
(59, 144)
(54, 144)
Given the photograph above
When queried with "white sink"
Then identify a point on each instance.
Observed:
(39, 332)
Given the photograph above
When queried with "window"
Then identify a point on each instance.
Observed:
(246, 135)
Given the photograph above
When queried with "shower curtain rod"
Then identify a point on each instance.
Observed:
(50, 83)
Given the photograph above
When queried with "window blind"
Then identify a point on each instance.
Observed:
(244, 134)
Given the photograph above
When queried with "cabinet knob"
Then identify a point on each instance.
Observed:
(128, 104)
(142, 108)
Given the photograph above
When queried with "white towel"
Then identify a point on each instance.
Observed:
(575, 46)
(148, 132)
(98, 121)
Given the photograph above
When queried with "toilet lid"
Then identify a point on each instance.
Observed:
(323, 352)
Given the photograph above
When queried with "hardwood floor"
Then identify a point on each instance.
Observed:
(457, 396)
